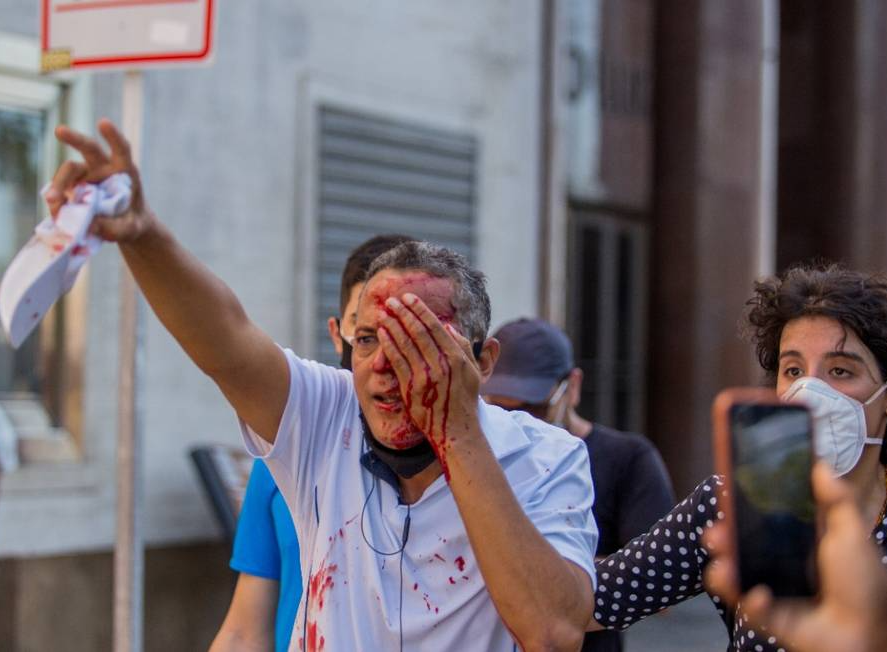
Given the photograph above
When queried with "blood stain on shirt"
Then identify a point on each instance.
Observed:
(312, 642)
(321, 582)
(452, 581)
(460, 563)
(437, 556)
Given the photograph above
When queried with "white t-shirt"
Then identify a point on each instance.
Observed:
(352, 594)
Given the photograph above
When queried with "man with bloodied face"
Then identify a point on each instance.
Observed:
(265, 552)
(427, 519)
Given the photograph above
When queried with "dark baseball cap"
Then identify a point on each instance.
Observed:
(534, 355)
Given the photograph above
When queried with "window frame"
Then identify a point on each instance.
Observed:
(60, 97)
(600, 390)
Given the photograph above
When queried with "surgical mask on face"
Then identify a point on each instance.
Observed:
(839, 428)
(561, 406)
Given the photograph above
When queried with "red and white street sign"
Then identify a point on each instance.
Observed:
(124, 33)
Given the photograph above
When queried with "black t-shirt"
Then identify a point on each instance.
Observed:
(632, 491)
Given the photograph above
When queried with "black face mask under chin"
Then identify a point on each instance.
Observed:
(405, 463)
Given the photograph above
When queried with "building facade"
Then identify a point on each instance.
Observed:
(317, 125)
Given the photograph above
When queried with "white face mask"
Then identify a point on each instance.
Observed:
(558, 419)
(839, 428)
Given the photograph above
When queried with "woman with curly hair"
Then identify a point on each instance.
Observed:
(820, 334)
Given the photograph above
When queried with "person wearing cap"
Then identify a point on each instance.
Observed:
(535, 373)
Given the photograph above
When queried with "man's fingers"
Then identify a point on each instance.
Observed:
(121, 154)
(108, 228)
(784, 619)
(442, 339)
(417, 333)
(69, 174)
(720, 576)
(716, 539)
(395, 358)
(405, 342)
(461, 341)
(828, 489)
(89, 149)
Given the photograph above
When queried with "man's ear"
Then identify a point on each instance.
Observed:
(489, 354)
(332, 325)
(574, 387)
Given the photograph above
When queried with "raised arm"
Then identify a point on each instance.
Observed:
(543, 599)
(193, 304)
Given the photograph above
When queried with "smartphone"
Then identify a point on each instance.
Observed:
(764, 449)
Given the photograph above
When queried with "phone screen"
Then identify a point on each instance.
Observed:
(772, 456)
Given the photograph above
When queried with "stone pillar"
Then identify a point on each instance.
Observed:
(706, 219)
(833, 133)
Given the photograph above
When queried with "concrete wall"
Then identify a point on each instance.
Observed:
(64, 602)
(228, 162)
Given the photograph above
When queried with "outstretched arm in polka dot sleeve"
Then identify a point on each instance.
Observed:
(660, 568)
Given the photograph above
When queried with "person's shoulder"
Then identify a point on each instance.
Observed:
(517, 433)
(545, 438)
(308, 369)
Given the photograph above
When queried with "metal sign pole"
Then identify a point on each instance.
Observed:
(129, 547)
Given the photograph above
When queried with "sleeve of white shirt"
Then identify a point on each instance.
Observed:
(320, 398)
(559, 503)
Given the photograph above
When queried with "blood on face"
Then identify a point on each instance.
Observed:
(386, 405)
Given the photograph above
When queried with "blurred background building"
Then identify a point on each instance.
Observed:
(625, 168)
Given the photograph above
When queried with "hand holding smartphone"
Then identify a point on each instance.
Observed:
(764, 450)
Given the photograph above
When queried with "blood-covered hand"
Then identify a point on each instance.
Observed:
(439, 380)
(96, 166)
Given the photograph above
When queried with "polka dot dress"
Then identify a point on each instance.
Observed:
(665, 566)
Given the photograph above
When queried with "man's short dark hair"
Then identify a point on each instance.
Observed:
(470, 298)
(360, 259)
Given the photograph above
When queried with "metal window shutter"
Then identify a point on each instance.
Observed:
(383, 176)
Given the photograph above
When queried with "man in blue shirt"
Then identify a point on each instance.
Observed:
(266, 549)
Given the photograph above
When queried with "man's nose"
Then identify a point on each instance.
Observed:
(381, 365)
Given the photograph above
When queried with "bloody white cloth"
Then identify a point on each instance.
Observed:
(48, 264)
